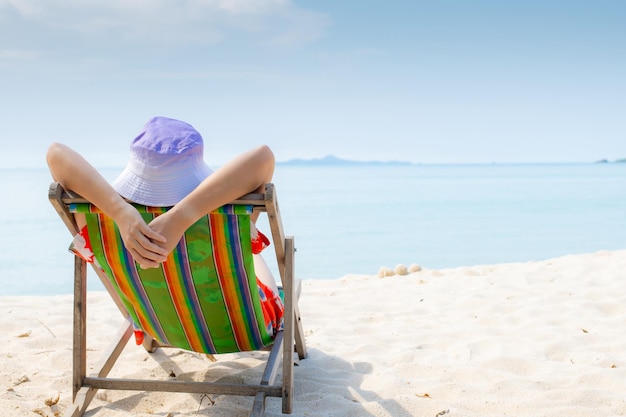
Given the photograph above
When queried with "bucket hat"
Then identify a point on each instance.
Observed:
(166, 163)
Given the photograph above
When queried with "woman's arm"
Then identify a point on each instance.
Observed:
(74, 173)
(249, 172)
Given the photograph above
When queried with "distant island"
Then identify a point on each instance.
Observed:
(333, 160)
(605, 161)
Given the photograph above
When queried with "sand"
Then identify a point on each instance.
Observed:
(543, 338)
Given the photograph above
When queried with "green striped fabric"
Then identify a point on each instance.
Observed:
(204, 297)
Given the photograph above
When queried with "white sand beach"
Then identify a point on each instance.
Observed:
(541, 338)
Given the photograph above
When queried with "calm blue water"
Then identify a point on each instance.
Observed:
(355, 219)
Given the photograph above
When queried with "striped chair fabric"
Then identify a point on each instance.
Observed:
(204, 297)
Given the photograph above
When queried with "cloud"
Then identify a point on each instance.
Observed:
(187, 21)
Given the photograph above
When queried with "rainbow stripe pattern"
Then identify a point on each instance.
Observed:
(204, 297)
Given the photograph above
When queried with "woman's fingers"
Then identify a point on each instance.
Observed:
(146, 250)
(143, 262)
(152, 236)
(149, 242)
(145, 244)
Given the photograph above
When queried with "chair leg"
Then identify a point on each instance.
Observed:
(269, 374)
(81, 402)
(85, 394)
(258, 407)
(149, 344)
(298, 330)
(79, 350)
(288, 326)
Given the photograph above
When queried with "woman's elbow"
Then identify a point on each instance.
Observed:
(57, 159)
(54, 152)
(266, 154)
(265, 163)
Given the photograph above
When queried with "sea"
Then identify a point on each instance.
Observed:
(357, 218)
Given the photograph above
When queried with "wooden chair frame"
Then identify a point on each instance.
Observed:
(85, 387)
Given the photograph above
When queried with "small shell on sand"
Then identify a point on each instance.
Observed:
(401, 269)
(384, 272)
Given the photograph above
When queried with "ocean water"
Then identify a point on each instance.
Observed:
(357, 218)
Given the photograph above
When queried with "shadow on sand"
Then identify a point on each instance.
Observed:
(324, 385)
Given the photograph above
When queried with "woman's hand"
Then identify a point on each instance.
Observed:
(145, 245)
(169, 228)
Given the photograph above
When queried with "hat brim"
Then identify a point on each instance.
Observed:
(157, 192)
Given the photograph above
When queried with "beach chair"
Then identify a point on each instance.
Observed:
(204, 299)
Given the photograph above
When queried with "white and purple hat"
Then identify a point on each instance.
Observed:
(166, 163)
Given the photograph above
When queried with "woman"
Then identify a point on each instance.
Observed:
(167, 169)
(163, 145)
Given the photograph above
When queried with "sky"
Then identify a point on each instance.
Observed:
(423, 81)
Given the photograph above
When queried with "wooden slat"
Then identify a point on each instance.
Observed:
(288, 331)
(298, 328)
(273, 360)
(109, 356)
(81, 402)
(276, 227)
(85, 395)
(258, 406)
(269, 375)
(55, 195)
(79, 357)
(182, 386)
(69, 197)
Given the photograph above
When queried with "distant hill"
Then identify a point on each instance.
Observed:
(334, 161)
(605, 161)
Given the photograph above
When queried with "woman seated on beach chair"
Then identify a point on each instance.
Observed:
(167, 169)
